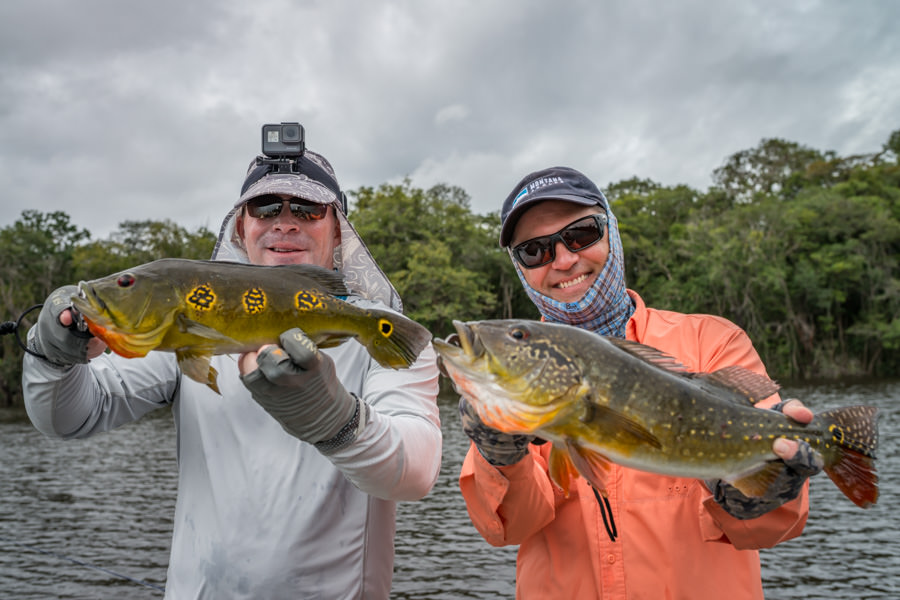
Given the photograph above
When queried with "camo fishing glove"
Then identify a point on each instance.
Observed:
(62, 346)
(298, 386)
(805, 463)
(498, 448)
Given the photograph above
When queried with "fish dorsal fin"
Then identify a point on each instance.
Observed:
(188, 325)
(648, 354)
(326, 280)
(748, 385)
(195, 364)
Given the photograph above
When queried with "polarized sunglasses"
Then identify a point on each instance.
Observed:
(269, 207)
(576, 236)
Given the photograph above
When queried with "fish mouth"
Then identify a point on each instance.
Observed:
(101, 322)
(501, 401)
(468, 340)
(90, 305)
(460, 347)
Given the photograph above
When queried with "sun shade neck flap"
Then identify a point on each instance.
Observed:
(352, 258)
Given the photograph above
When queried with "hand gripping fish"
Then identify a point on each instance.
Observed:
(197, 309)
(601, 400)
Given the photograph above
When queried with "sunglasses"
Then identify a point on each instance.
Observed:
(576, 236)
(269, 207)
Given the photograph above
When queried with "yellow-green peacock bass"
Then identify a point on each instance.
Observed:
(197, 309)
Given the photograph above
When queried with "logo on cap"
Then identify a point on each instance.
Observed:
(519, 196)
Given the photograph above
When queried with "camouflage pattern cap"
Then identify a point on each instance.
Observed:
(317, 185)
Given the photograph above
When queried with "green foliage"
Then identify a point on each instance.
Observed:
(443, 260)
(44, 251)
(139, 242)
(797, 246)
(37, 253)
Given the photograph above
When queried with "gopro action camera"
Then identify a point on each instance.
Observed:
(284, 139)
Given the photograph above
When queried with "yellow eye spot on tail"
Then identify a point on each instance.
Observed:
(837, 434)
(254, 301)
(201, 297)
(385, 327)
(308, 301)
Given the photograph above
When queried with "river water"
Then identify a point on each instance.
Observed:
(92, 519)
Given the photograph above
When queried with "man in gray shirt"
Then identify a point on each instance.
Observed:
(288, 480)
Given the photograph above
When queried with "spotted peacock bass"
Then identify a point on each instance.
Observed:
(197, 309)
(602, 400)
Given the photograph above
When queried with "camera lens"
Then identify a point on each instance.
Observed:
(290, 134)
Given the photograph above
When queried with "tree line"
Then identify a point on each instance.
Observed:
(797, 246)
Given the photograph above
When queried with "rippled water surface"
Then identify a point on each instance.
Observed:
(71, 508)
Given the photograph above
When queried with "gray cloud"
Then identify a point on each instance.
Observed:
(113, 111)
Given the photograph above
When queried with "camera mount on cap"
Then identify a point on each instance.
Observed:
(283, 148)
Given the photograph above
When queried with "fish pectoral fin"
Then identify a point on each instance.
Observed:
(562, 471)
(188, 325)
(755, 484)
(592, 465)
(195, 364)
(616, 425)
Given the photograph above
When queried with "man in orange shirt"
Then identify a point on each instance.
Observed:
(654, 537)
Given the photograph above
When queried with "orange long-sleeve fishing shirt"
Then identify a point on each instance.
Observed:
(672, 540)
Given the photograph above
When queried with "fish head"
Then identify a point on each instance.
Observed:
(518, 375)
(130, 311)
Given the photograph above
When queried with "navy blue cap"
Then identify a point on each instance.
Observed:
(555, 183)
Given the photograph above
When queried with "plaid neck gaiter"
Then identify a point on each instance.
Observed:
(606, 307)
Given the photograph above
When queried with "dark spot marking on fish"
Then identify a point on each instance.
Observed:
(305, 300)
(385, 327)
(254, 301)
(201, 298)
(126, 280)
(837, 434)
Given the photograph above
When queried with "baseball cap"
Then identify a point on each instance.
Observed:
(554, 183)
(315, 181)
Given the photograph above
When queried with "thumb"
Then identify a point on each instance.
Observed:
(303, 351)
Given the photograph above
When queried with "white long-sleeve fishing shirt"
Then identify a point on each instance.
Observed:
(261, 514)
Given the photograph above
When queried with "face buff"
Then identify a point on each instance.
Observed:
(606, 307)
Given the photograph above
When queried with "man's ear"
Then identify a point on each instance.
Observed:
(337, 231)
(239, 225)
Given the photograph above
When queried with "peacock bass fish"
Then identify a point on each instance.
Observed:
(197, 309)
(603, 400)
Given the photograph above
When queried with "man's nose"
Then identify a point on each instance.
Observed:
(564, 258)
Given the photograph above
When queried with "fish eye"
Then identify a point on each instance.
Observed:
(518, 334)
(126, 280)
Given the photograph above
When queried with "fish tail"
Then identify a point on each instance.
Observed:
(854, 431)
(395, 341)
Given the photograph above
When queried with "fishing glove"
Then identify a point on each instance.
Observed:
(62, 346)
(298, 386)
(785, 488)
(498, 448)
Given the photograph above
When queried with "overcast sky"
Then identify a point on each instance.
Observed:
(113, 110)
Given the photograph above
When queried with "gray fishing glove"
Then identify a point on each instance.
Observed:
(785, 488)
(297, 385)
(498, 448)
(62, 346)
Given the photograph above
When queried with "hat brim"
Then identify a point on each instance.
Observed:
(299, 186)
(509, 225)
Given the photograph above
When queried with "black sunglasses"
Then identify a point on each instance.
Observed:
(576, 236)
(269, 207)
